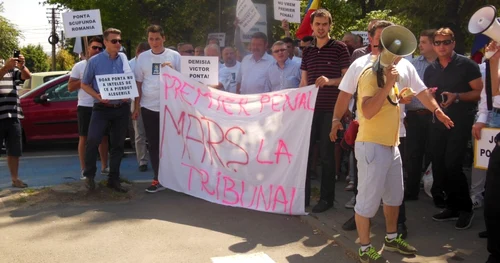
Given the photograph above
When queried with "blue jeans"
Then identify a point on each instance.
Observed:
(117, 119)
(494, 120)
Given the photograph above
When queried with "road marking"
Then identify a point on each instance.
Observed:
(260, 257)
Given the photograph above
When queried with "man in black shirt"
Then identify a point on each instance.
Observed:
(459, 84)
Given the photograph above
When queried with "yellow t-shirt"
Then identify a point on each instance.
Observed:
(383, 128)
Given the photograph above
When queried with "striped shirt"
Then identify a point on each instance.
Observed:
(327, 61)
(10, 106)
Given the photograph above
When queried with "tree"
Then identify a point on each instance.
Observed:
(9, 37)
(36, 59)
(64, 60)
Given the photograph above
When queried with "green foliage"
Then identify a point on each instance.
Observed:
(8, 37)
(36, 59)
(64, 60)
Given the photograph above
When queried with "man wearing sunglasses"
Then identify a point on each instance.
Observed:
(186, 49)
(459, 84)
(114, 113)
(284, 73)
(84, 109)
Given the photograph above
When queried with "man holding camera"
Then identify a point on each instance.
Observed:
(11, 112)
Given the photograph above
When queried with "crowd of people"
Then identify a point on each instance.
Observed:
(360, 113)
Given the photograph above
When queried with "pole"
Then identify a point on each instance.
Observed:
(86, 47)
(220, 14)
(54, 44)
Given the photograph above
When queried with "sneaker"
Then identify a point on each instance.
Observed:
(155, 187)
(399, 245)
(105, 171)
(82, 177)
(143, 167)
(370, 255)
(351, 203)
(477, 202)
(446, 215)
(19, 184)
(464, 220)
(349, 186)
(350, 224)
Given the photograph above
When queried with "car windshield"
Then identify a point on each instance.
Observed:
(44, 84)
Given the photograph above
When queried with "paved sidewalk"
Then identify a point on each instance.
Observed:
(437, 242)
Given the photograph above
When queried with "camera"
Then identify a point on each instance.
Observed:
(17, 53)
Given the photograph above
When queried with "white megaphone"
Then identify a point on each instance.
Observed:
(484, 21)
(398, 42)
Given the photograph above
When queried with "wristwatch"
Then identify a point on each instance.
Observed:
(457, 98)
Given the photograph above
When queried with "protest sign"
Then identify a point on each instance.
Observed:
(287, 9)
(235, 150)
(260, 26)
(203, 69)
(364, 34)
(82, 23)
(220, 36)
(484, 147)
(117, 86)
(247, 14)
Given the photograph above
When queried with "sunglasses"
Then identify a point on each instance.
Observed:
(444, 42)
(279, 50)
(189, 51)
(97, 48)
(114, 41)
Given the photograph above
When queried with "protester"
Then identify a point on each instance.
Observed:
(290, 46)
(186, 49)
(227, 74)
(10, 114)
(141, 149)
(323, 64)
(352, 42)
(459, 84)
(148, 102)
(114, 113)
(213, 50)
(198, 51)
(84, 109)
(284, 73)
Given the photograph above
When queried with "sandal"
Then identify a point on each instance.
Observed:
(19, 184)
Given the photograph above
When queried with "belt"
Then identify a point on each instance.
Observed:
(108, 105)
(496, 110)
(420, 112)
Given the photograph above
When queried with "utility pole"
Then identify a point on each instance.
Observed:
(53, 38)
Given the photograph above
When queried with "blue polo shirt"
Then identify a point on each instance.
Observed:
(102, 64)
(283, 78)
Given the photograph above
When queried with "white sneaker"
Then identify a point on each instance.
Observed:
(351, 203)
(105, 172)
(477, 202)
(82, 177)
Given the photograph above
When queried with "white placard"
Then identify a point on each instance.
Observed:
(364, 34)
(260, 26)
(235, 150)
(287, 9)
(82, 23)
(247, 14)
(203, 69)
(483, 147)
(117, 86)
(220, 36)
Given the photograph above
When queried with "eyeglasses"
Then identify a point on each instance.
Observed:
(114, 41)
(97, 48)
(279, 50)
(189, 51)
(444, 42)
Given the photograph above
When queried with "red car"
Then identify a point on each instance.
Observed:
(50, 112)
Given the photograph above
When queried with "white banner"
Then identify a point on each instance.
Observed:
(260, 26)
(363, 34)
(287, 9)
(117, 86)
(82, 23)
(484, 147)
(247, 14)
(245, 151)
(220, 36)
(203, 69)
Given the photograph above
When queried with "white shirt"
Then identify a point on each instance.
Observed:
(147, 71)
(252, 74)
(84, 99)
(483, 106)
(132, 63)
(227, 76)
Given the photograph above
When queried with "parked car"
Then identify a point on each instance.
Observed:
(50, 112)
(38, 79)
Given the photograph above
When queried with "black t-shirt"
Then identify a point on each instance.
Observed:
(454, 78)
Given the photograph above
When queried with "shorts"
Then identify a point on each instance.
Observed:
(380, 176)
(12, 134)
(84, 116)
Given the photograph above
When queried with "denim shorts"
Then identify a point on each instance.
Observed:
(12, 134)
(494, 120)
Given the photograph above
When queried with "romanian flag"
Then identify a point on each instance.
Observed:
(305, 27)
(478, 47)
